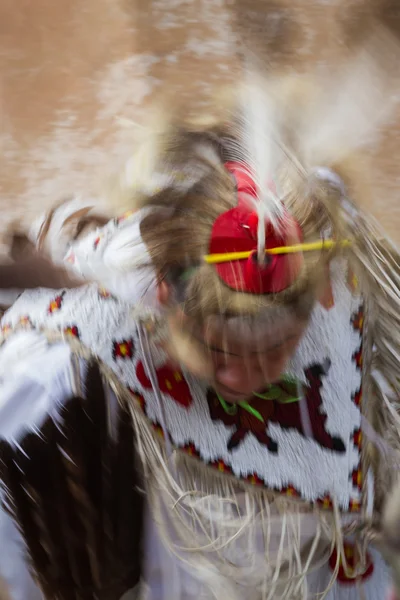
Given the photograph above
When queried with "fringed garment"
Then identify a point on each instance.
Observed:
(273, 502)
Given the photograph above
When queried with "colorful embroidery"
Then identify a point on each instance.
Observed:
(357, 478)
(139, 398)
(356, 475)
(326, 502)
(159, 430)
(348, 573)
(170, 381)
(357, 357)
(357, 438)
(221, 466)
(287, 415)
(123, 349)
(25, 321)
(72, 330)
(6, 329)
(55, 305)
(358, 320)
(204, 430)
(357, 397)
(290, 491)
(254, 479)
(191, 450)
(354, 505)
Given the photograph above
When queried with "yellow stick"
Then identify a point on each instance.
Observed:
(230, 256)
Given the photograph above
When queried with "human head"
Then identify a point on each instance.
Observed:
(238, 341)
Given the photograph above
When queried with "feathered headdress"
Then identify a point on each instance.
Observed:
(257, 246)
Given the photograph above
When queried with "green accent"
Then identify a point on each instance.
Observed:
(251, 410)
(274, 392)
(230, 409)
(290, 400)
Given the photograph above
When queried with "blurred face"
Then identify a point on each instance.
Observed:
(243, 366)
(238, 360)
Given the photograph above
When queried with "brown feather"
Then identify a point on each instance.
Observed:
(23, 509)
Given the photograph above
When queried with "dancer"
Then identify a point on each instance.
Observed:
(219, 421)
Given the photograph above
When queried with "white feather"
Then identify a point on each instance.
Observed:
(257, 150)
(117, 258)
(350, 110)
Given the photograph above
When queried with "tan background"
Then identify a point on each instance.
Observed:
(69, 69)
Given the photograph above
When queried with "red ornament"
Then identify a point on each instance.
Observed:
(236, 231)
(171, 382)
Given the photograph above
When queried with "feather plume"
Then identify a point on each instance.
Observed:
(346, 112)
(23, 508)
(71, 487)
(254, 146)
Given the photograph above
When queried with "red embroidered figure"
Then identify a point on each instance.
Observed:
(123, 349)
(277, 410)
(55, 305)
(244, 421)
(288, 415)
(171, 382)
